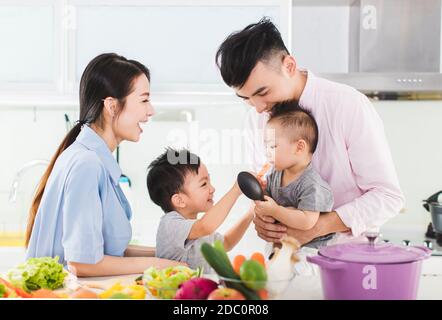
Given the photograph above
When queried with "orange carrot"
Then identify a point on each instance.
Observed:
(257, 256)
(237, 262)
(263, 294)
(45, 294)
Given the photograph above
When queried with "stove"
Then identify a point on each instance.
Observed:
(428, 238)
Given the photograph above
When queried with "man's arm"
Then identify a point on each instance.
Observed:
(327, 223)
(380, 197)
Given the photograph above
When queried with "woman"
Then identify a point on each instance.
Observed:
(79, 212)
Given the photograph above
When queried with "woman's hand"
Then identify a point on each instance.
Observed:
(267, 207)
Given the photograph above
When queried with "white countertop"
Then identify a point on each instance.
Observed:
(303, 287)
(308, 287)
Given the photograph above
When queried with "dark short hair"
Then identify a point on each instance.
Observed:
(299, 121)
(167, 174)
(242, 50)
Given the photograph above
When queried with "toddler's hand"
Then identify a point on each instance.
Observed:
(261, 175)
(267, 207)
(263, 183)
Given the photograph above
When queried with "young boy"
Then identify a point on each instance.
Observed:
(179, 183)
(296, 192)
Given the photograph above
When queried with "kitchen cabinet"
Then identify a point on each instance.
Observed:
(178, 43)
(52, 41)
(28, 45)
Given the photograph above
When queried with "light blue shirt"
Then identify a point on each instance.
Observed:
(83, 213)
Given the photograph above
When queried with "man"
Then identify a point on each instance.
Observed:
(352, 155)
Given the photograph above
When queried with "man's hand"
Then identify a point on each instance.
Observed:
(327, 223)
(268, 230)
(266, 208)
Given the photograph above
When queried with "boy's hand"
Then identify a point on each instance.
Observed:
(236, 188)
(267, 207)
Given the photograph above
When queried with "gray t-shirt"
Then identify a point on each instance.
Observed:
(309, 192)
(172, 241)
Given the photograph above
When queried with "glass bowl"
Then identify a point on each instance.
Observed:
(267, 290)
(164, 283)
(163, 293)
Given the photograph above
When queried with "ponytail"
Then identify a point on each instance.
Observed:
(67, 141)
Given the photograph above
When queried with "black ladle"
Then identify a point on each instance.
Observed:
(250, 186)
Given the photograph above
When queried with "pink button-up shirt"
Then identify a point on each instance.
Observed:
(352, 155)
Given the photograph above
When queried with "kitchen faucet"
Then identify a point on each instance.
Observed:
(16, 181)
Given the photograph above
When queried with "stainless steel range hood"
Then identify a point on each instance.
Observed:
(394, 46)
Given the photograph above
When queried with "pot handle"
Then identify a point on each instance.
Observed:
(432, 198)
(426, 250)
(327, 263)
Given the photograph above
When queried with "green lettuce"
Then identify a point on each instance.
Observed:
(38, 273)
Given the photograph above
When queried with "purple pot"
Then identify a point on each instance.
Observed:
(360, 271)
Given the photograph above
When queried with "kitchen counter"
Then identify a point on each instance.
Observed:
(308, 287)
(303, 287)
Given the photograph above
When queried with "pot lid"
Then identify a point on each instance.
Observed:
(374, 253)
(434, 199)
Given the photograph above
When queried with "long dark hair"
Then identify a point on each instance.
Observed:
(107, 75)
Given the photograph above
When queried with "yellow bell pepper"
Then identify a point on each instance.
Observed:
(137, 291)
(117, 287)
(133, 291)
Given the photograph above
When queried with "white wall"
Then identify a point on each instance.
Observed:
(413, 130)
